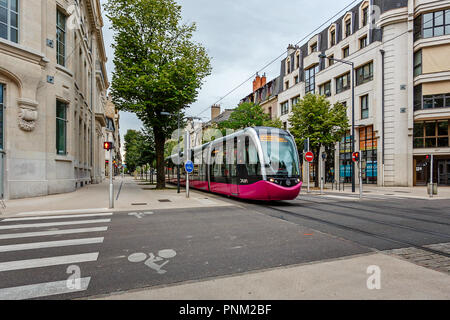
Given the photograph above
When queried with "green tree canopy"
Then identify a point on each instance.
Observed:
(247, 115)
(157, 65)
(139, 148)
(315, 118)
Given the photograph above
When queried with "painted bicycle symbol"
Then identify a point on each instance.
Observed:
(162, 255)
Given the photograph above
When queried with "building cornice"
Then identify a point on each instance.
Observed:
(430, 6)
(393, 16)
(432, 77)
(24, 53)
(430, 42)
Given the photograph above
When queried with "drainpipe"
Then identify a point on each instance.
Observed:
(382, 110)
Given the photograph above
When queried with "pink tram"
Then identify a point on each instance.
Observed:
(258, 163)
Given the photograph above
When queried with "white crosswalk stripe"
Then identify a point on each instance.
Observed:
(52, 224)
(43, 232)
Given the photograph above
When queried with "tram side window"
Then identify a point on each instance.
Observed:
(233, 158)
(251, 158)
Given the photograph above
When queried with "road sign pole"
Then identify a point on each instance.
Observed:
(188, 156)
(360, 180)
(307, 166)
(111, 185)
(431, 177)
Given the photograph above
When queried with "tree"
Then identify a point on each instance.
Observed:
(139, 148)
(313, 117)
(157, 65)
(247, 115)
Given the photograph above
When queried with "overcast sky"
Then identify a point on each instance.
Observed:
(241, 37)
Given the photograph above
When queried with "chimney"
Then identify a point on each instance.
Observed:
(256, 82)
(263, 80)
(215, 111)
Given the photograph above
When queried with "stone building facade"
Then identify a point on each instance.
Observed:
(52, 96)
(400, 51)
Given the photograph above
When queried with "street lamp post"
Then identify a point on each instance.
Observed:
(178, 133)
(324, 56)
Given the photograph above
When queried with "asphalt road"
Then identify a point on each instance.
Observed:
(119, 252)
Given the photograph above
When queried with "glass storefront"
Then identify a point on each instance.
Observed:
(345, 159)
(368, 149)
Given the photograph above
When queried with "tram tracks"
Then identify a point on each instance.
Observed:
(341, 226)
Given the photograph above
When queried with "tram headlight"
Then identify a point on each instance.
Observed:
(272, 180)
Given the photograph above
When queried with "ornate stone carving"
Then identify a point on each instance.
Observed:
(27, 114)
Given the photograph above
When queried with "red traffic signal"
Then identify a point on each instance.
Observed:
(107, 145)
(355, 156)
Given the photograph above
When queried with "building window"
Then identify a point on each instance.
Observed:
(418, 97)
(330, 60)
(295, 100)
(417, 63)
(288, 66)
(285, 126)
(346, 52)
(368, 149)
(364, 100)
(314, 47)
(332, 37)
(270, 113)
(9, 20)
(431, 134)
(2, 92)
(365, 16)
(296, 79)
(286, 85)
(60, 38)
(343, 83)
(348, 27)
(310, 79)
(325, 89)
(433, 24)
(297, 60)
(364, 74)
(61, 127)
(285, 108)
(436, 101)
(363, 42)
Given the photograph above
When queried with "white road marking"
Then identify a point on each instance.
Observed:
(46, 262)
(96, 210)
(41, 290)
(49, 244)
(51, 233)
(60, 217)
(51, 224)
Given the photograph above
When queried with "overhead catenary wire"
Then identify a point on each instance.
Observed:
(303, 39)
(281, 55)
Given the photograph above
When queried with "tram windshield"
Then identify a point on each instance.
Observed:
(280, 156)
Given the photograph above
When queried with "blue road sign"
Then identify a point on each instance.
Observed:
(189, 166)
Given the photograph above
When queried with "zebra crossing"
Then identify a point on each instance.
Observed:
(48, 247)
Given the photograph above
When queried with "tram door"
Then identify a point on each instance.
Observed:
(232, 151)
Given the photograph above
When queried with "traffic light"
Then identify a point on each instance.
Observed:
(108, 145)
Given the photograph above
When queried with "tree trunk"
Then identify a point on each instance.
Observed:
(159, 148)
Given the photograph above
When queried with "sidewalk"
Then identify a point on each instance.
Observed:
(407, 192)
(134, 195)
(339, 279)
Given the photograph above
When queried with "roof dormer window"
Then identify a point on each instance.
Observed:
(364, 14)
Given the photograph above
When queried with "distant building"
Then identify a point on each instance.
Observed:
(112, 133)
(401, 117)
(265, 94)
